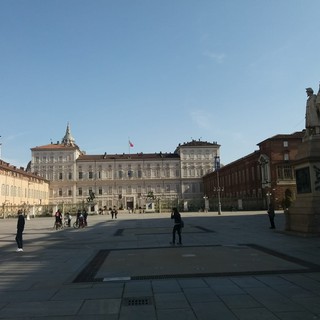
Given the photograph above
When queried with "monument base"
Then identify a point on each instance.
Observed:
(304, 214)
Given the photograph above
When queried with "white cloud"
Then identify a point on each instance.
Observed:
(216, 57)
(202, 119)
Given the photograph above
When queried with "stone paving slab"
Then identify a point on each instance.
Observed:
(41, 279)
(191, 261)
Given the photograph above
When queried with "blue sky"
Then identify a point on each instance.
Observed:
(160, 72)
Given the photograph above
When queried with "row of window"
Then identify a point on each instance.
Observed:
(110, 175)
(254, 193)
(240, 176)
(69, 157)
(284, 172)
(14, 191)
(198, 155)
(53, 159)
(199, 172)
(129, 190)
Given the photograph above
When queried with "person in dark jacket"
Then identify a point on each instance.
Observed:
(20, 228)
(177, 226)
(58, 218)
(114, 212)
(271, 215)
(85, 218)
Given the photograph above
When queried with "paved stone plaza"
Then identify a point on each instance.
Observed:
(229, 267)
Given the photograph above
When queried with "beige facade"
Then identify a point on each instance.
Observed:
(20, 189)
(130, 181)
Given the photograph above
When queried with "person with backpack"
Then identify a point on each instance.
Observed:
(178, 225)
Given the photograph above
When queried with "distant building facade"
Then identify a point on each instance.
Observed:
(130, 181)
(21, 189)
(258, 178)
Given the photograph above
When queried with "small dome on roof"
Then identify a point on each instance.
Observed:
(68, 139)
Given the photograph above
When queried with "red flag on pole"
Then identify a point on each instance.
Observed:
(130, 144)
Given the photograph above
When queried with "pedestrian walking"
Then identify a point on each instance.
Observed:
(68, 217)
(114, 212)
(20, 228)
(58, 219)
(271, 215)
(178, 223)
(85, 218)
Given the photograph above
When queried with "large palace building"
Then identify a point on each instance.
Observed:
(141, 181)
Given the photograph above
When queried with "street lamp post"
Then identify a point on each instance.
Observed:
(217, 167)
(158, 198)
(266, 185)
(268, 194)
(219, 196)
(206, 203)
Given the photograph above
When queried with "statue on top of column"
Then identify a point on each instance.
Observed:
(312, 112)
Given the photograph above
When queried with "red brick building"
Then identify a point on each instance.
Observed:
(251, 182)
